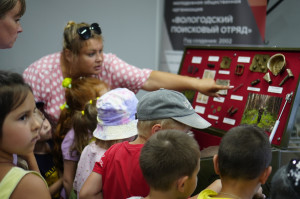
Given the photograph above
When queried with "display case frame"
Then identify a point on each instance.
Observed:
(246, 69)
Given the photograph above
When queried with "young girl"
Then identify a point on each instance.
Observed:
(18, 134)
(44, 157)
(68, 142)
(112, 118)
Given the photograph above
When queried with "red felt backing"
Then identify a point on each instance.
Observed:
(218, 109)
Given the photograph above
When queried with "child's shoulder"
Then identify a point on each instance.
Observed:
(34, 185)
(20, 182)
(122, 146)
(207, 193)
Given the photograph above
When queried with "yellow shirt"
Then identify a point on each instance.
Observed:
(207, 194)
(11, 180)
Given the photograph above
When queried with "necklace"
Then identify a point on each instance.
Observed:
(232, 195)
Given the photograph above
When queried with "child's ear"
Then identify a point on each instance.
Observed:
(155, 128)
(216, 164)
(265, 175)
(181, 183)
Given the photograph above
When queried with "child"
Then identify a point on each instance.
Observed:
(115, 114)
(19, 131)
(170, 162)
(285, 183)
(44, 157)
(243, 163)
(118, 174)
(68, 140)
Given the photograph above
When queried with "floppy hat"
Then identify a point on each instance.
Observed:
(163, 104)
(116, 115)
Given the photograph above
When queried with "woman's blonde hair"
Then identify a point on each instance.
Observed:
(72, 40)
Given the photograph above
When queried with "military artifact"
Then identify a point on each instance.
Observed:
(289, 75)
(253, 83)
(276, 64)
(267, 77)
(259, 63)
(225, 64)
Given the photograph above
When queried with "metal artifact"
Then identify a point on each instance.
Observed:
(276, 64)
(259, 63)
(226, 61)
(267, 77)
(289, 75)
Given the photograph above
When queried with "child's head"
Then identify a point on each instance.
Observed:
(244, 153)
(78, 92)
(285, 183)
(45, 131)
(18, 120)
(170, 159)
(116, 115)
(13, 92)
(170, 109)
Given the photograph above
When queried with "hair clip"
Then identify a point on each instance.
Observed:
(293, 172)
(65, 105)
(82, 112)
(66, 83)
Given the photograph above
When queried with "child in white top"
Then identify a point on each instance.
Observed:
(114, 117)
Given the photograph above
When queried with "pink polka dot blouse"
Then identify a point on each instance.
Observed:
(45, 78)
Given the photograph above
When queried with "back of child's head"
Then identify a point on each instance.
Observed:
(167, 156)
(110, 117)
(168, 104)
(116, 115)
(285, 183)
(244, 153)
(13, 92)
(78, 92)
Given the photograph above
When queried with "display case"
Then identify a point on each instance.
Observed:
(264, 90)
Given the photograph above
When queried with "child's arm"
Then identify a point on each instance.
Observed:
(56, 187)
(31, 186)
(92, 188)
(69, 175)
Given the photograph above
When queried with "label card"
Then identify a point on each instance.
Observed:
(196, 60)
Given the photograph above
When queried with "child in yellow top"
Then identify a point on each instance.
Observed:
(19, 132)
(242, 162)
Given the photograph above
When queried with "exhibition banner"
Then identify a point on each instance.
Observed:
(210, 23)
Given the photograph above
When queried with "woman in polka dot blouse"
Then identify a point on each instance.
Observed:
(82, 55)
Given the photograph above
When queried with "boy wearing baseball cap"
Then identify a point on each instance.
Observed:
(118, 174)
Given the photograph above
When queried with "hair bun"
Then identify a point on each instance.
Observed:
(70, 23)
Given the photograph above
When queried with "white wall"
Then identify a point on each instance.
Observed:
(283, 25)
(129, 28)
